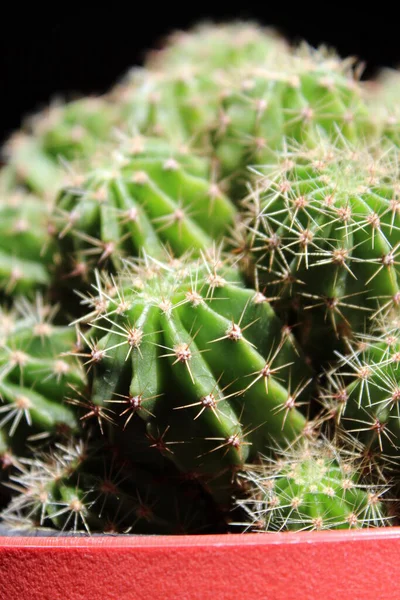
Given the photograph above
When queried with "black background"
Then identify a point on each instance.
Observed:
(43, 56)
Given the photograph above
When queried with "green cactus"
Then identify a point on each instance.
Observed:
(60, 133)
(177, 391)
(241, 114)
(36, 373)
(311, 486)
(362, 391)
(383, 96)
(178, 105)
(87, 487)
(177, 94)
(203, 360)
(298, 97)
(148, 198)
(324, 228)
(28, 252)
(217, 46)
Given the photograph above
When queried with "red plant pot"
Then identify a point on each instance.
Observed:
(331, 565)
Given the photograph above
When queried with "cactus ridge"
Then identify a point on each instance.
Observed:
(363, 389)
(242, 114)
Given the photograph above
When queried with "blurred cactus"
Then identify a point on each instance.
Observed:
(37, 155)
(27, 248)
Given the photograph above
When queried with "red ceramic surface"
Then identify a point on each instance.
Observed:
(325, 565)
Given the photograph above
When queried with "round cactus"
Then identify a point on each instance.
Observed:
(217, 46)
(324, 226)
(298, 96)
(189, 389)
(362, 391)
(177, 94)
(241, 114)
(149, 197)
(311, 486)
(177, 344)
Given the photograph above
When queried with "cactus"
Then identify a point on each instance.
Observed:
(151, 196)
(84, 486)
(324, 228)
(177, 344)
(177, 94)
(220, 355)
(382, 97)
(27, 249)
(36, 373)
(241, 114)
(311, 486)
(60, 133)
(298, 96)
(362, 391)
(217, 46)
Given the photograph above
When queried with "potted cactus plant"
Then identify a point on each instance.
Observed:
(200, 329)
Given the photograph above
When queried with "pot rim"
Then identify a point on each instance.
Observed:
(209, 540)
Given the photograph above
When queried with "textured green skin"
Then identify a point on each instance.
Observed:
(240, 115)
(27, 247)
(255, 415)
(364, 392)
(172, 204)
(60, 133)
(298, 100)
(33, 367)
(176, 95)
(31, 167)
(178, 106)
(312, 488)
(238, 97)
(327, 189)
